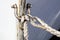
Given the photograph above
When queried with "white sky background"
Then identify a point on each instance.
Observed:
(7, 20)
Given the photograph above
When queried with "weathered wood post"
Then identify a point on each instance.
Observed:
(19, 11)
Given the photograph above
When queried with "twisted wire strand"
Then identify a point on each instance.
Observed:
(25, 31)
(19, 31)
(45, 26)
(22, 34)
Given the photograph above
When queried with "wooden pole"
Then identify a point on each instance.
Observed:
(20, 32)
(19, 11)
(21, 25)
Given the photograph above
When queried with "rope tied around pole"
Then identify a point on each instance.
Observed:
(22, 28)
(44, 26)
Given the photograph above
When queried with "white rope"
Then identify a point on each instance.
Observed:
(46, 27)
(22, 35)
(19, 31)
(25, 31)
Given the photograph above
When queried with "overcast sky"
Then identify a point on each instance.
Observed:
(7, 20)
